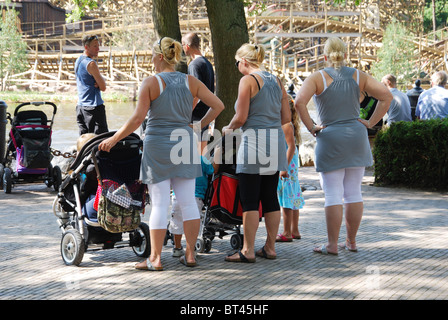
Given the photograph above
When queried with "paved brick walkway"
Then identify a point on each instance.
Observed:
(403, 254)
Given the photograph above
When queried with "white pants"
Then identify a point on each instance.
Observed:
(160, 201)
(342, 186)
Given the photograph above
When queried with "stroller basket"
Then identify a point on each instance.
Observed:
(34, 151)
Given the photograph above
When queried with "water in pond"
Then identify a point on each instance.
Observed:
(65, 128)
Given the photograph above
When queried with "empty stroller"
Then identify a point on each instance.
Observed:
(223, 211)
(84, 201)
(28, 155)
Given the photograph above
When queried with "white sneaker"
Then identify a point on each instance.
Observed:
(178, 252)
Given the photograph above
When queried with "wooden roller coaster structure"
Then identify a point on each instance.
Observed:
(293, 33)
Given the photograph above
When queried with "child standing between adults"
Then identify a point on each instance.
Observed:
(176, 222)
(288, 191)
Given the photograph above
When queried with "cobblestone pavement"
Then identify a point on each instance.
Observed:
(403, 255)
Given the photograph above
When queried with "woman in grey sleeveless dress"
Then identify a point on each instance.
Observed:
(261, 110)
(342, 149)
(170, 156)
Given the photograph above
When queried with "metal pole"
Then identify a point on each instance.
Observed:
(3, 123)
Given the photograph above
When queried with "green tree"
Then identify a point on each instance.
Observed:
(13, 53)
(79, 8)
(435, 15)
(396, 55)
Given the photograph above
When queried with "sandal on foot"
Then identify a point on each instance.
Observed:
(344, 246)
(323, 250)
(241, 258)
(297, 237)
(282, 238)
(148, 267)
(184, 261)
(262, 253)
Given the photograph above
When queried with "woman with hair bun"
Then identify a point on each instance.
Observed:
(167, 99)
(260, 111)
(342, 149)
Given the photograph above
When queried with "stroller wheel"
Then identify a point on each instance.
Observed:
(200, 245)
(49, 177)
(72, 247)
(236, 241)
(141, 241)
(57, 178)
(207, 245)
(7, 180)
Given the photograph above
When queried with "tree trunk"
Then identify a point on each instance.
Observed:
(229, 31)
(434, 28)
(165, 16)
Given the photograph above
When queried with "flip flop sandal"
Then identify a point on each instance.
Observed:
(297, 237)
(265, 255)
(149, 267)
(344, 246)
(282, 238)
(242, 258)
(188, 264)
(323, 250)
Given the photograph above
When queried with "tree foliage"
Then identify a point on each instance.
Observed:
(13, 53)
(79, 8)
(441, 15)
(396, 55)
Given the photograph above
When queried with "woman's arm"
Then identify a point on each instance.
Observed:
(306, 92)
(379, 91)
(200, 91)
(289, 137)
(242, 105)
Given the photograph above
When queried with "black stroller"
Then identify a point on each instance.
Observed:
(76, 204)
(28, 155)
(223, 211)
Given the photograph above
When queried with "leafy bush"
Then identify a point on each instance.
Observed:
(413, 154)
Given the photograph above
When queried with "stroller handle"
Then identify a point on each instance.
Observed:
(123, 144)
(36, 103)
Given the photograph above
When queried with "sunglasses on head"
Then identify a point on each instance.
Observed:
(92, 38)
(160, 44)
(237, 63)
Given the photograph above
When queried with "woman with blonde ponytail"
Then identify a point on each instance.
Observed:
(342, 149)
(260, 111)
(167, 99)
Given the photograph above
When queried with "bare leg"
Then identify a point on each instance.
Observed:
(272, 222)
(191, 230)
(353, 216)
(157, 239)
(250, 227)
(177, 241)
(287, 222)
(333, 215)
(295, 224)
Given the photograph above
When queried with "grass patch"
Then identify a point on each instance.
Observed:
(25, 96)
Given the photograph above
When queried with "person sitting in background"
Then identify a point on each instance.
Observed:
(433, 103)
(400, 107)
(413, 96)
